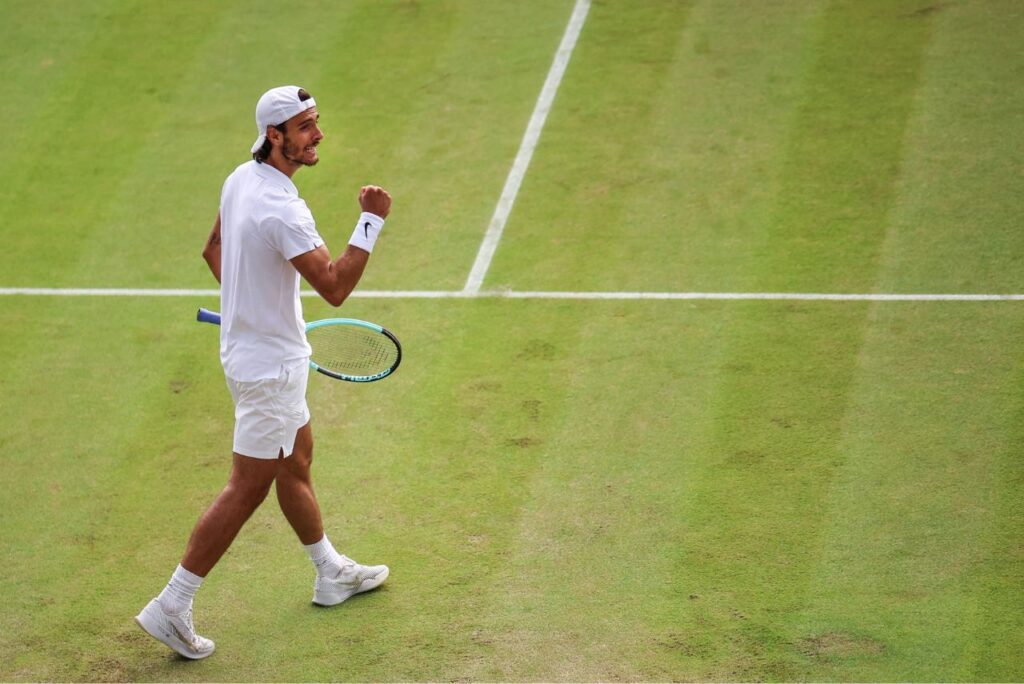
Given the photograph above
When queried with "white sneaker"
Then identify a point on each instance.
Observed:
(352, 579)
(174, 630)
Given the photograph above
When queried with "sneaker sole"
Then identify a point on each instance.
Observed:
(153, 626)
(321, 598)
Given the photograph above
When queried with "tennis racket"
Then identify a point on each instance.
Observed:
(344, 348)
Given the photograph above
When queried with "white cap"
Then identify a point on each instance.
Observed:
(276, 106)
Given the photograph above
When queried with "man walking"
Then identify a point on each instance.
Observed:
(264, 238)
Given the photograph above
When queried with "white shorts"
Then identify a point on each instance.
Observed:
(269, 412)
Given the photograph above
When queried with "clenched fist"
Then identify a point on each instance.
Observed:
(375, 200)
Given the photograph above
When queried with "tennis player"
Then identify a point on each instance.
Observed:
(264, 238)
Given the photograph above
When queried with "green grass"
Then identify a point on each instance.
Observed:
(564, 490)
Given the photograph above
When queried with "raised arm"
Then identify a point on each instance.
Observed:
(211, 252)
(334, 279)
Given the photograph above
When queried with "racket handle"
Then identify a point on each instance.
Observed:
(207, 316)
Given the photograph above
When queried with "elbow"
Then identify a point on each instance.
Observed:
(337, 296)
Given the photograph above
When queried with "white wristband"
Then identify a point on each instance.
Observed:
(366, 232)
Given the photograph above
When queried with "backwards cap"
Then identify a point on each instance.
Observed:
(276, 106)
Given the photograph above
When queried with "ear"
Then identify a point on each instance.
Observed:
(275, 136)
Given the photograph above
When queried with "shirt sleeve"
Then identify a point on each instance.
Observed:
(292, 231)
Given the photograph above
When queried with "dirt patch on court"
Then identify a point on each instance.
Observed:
(927, 11)
(523, 442)
(744, 457)
(532, 409)
(839, 645)
(484, 386)
(538, 350)
(177, 385)
(108, 670)
(685, 644)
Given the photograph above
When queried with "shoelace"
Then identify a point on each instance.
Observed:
(187, 619)
(353, 572)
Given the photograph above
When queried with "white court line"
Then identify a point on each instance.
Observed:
(526, 148)
(104, 292)
(155, 292)
(510, 294)
(765, 296)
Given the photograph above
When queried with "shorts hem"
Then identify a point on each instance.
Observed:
(262, 454)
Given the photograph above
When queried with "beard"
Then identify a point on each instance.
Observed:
(295, 153)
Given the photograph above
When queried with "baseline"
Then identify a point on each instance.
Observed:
(511, 294)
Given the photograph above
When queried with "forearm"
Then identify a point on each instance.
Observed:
(212, 257)
(347, 269)
(211, 251)
(334, 279)
(344, 274)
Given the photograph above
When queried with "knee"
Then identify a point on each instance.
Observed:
(301, 458)
(251, 492)
(297, 466)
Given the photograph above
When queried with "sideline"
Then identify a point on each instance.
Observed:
(526, 148)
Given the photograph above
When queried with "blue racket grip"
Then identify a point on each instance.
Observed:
(207, 316)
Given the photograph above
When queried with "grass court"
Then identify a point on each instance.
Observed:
(565, 489)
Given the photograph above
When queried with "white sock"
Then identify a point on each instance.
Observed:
(177, 596)
(325, 559)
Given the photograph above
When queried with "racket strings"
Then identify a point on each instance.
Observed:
(352, 350)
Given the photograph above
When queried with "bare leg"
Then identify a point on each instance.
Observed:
(295, 489)
(246, 489)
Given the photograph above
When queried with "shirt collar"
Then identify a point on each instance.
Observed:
(271, 174)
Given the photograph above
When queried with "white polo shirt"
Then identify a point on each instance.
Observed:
(263, 224)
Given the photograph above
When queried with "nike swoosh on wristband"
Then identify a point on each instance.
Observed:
(366, 229)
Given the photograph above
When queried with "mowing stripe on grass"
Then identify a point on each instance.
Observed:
(841, 171)
(529, 143)
(509, 294)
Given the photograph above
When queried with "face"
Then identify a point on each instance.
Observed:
(301, 136)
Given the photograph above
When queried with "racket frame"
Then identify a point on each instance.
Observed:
(207, 316)
(362, 324)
